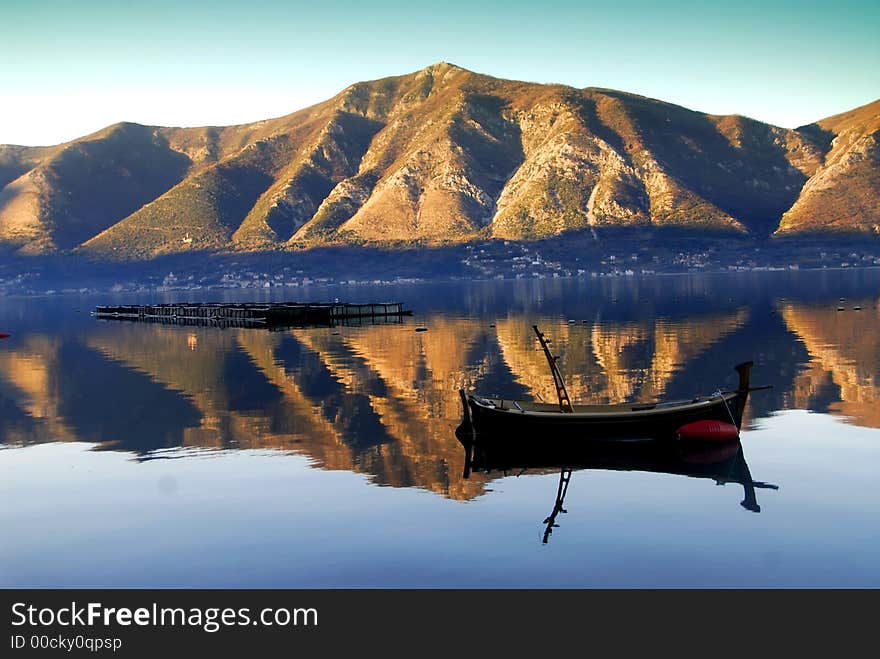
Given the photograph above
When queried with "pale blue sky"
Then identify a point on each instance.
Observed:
(71, 67)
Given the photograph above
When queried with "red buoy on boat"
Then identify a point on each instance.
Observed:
(709, 431)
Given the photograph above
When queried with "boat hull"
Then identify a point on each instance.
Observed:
(629, 421)
(503, 417)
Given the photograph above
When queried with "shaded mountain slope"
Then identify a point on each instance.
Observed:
(843, 195)
(86, 186)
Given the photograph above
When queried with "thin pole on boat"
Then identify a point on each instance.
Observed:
(564, 400)
(749, 389)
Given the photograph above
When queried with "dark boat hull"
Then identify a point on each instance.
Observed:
(634, 425)
(602, 422)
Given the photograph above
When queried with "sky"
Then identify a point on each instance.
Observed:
(69, 68)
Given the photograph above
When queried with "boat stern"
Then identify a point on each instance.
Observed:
(745, 373)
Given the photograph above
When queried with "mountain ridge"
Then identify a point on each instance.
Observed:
(442, 155)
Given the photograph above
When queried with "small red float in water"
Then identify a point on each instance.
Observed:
(4, 335)
(711, 431)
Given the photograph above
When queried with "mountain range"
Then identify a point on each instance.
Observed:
(443, 155)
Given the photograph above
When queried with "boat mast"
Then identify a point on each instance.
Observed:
(564, 400)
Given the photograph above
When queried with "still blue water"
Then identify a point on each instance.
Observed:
(151, 455)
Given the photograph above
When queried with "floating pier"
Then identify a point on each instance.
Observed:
(260, 314)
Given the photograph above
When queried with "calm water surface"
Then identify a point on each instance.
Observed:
(153, 455)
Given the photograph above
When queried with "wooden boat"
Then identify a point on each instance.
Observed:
(629, 421)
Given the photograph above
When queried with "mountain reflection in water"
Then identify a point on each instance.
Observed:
(382, 399)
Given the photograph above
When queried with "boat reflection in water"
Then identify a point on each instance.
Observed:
(518, 453)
